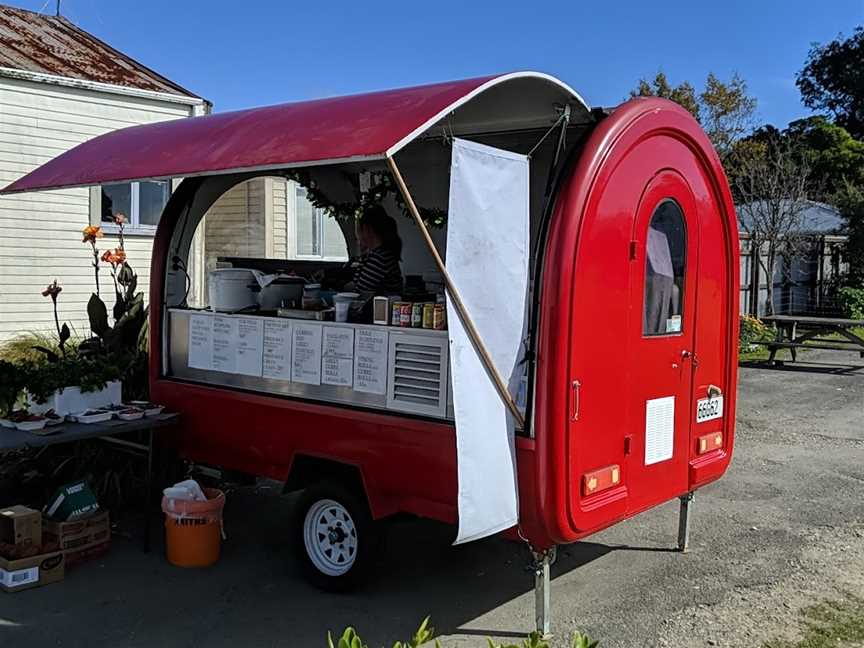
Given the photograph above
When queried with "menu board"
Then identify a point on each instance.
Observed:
(250, 345)
(370, 360)
(224, 357)
(290, 350)
(306, 353)
(338, 356)
(277, 349)
(200, 342)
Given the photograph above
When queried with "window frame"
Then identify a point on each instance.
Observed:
(686, 233)
(320, 215)
(133, 226)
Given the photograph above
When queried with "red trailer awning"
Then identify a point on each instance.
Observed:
(342, 129)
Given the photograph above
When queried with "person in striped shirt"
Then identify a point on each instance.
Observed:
(378, 272)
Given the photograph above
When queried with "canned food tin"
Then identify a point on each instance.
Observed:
(428, 315)
(417, 315)
(439, 317)
(396, 313)
(405, 314)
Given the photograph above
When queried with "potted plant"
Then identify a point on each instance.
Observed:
(12, 383)
(91, 376)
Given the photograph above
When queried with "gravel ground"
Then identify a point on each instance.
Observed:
(782, 530)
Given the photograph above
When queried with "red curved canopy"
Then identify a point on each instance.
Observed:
(340, 129)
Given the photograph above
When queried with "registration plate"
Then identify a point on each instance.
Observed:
(708, 409)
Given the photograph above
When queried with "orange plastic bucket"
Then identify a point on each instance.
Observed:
(193, 530)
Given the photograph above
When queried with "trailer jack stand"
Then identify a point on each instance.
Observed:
(684, 522)
(542, 590)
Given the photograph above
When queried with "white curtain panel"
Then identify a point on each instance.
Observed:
(487, 258)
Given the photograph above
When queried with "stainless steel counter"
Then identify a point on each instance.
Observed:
(417, 375)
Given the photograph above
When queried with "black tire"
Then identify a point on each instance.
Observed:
(365, 538)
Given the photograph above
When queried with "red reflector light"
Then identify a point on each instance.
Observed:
(709, 442)
(598, 480)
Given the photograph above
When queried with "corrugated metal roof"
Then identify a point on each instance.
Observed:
(35, 42)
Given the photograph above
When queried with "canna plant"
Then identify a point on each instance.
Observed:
(425, 637)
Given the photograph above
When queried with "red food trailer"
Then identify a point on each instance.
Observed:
(629, 365)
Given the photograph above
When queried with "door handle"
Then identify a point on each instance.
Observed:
(574, 400)
(686, 354)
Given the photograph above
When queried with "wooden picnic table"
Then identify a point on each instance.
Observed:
(110, 432)
(795, 332)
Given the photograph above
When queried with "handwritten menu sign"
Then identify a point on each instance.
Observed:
(277, 349)
(200, 342)
(370, 360)
(224, 344)
(306, 353)
(338, 356)
(250, 343)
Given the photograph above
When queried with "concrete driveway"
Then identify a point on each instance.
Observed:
(783, 529)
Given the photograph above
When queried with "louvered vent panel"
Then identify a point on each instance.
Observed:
(418, 375)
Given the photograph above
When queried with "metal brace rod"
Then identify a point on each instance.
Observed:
(456, 300)
(684, 522)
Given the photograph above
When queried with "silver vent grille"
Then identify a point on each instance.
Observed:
(418, 374)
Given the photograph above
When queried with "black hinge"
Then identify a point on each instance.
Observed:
(633, 250)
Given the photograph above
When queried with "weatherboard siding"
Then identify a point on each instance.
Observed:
(40, 232)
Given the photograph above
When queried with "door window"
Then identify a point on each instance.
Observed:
(665, 263)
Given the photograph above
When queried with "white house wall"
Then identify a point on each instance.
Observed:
(41, 231)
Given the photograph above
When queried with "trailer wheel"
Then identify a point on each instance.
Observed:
(336, 537)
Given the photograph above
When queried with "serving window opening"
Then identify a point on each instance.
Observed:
(665, 265)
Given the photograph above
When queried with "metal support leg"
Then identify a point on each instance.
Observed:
(684, 523)
(542, 591)
(148, 490)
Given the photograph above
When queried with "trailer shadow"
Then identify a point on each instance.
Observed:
(800, 366)
(255, 595)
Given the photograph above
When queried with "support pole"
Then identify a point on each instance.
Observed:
(542, 592)
(684, 523)
(456, 300)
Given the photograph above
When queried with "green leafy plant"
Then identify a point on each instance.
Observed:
(851, 301)
(350, 639)
(425, 635)
(536, 640)
(13, 380)
(751, 329)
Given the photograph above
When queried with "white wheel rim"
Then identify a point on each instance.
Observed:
(330, 537)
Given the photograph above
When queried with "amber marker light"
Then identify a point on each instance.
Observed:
(599, 480)
(709, 442)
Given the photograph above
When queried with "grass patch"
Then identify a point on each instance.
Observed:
(757, 354)
(834, 623)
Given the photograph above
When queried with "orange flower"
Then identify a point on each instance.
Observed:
(115, 257)
(52, 290)
(91, 233)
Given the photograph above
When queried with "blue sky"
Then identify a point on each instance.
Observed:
(257, 52)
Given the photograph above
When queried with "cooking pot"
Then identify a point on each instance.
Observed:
(232, 289)
(282, 292)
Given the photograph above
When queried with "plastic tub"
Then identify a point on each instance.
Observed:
(342, 303)
(193, 530)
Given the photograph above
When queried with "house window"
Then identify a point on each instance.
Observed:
(141, 202)
(317, 235)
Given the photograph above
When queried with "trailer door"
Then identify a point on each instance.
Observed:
(660, 340)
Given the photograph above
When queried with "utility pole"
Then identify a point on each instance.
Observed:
(58, 8)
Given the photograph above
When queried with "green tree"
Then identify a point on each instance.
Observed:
(836, 157)
(833, 79)
(723, 108)
(683, 94)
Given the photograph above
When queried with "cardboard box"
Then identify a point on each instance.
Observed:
(81, 539)
(20, 525)
(71, 502)
(27, 573)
